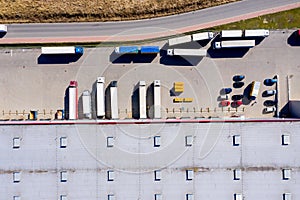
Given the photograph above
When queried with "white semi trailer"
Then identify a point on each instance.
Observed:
(100, 97)
(142, 99)
(231, 33)
(234, 44)
(157, 99)
(257, 33)
(86, 104)
(114, 108)
(202, 36)
(187, 52)
(73, 100)
(62, 50)
(180, 40)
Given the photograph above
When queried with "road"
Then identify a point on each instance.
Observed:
(142, 29)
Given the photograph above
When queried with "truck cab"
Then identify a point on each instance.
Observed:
(78, 50)
(217, 45)
(3, 28)
(73, 84)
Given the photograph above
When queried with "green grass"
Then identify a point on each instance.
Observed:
(289, 19)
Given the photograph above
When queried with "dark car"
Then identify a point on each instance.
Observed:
(270, 103)
(270, 81)
(238, 84)
(237, 97)
(226, 91)
(238, 78)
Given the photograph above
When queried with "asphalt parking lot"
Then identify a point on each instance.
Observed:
(30, 81)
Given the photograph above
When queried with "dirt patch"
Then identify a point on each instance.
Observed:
(34, 11)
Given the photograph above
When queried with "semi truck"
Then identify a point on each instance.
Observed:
(255, 85)
(157, 99)
(179, 40)
(100, 97)
(127, 50)
(3, 28)
(256, 33)
(234, 44)
(73, 100)
(149, 49)
(114, 108)
(63, 50)
(231, 33)
(86, 104)
(187, 52)
(202, 36)
(142, 99)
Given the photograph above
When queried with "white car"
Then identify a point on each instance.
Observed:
(271, 92)
(270, 109)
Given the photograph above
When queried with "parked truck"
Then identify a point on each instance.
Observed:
(180, 40)
(100, 97)
(86, 104)
(256, 33)
(187, 52)
(149, 49)
(73, 100)
(114, 108)
(142, 99)
(3, 28)
(157, 99)
(254, 90)
(127, 50)
(202, 36)
(63, 50)
(234, 44)
(231, 33)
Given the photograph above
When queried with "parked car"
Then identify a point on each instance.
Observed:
(224, 97)
(237, 97)
(270, 109)
(237, 78)
(225, 103)
(227, 90)
(238, 84)
(237, 103)
(270, 81)
(270, 92)
(270, 103)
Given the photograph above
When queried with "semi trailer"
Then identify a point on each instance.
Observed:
(187, 52)
(114, 108)
(149, 49)
(234, 44)
(179, 40)
(127, 50)
(202, 36)
(73, 100)
(257, 33)
(100, 97)
(142, 100)
(231, 33)
(86, 104)
(157, 99)
(63, 50)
